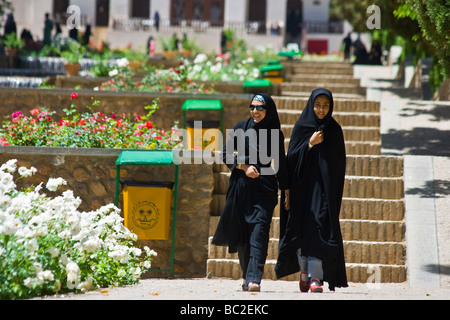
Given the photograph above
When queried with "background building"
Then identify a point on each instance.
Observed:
(130, 22)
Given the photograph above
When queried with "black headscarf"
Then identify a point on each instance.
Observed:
(324, 164)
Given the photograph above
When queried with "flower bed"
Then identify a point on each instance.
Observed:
(47, 246)
(86, 130)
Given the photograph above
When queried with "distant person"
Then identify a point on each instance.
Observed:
(375, 53)
(347, 46)
(157, 20)
(10, 25)
(223, 42)
(58, 30)
(87, 35)
(73, 33)
(151, 47)
(47, 30)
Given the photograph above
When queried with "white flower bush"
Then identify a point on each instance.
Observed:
(220, 69)
(47, 246)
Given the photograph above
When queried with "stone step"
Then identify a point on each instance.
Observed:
(320, 69)
(355, 252)
(323, 81)
(340, 105)
(336, 95)
(333, 87)
(357, 273)
(345, 119)
(359, 165)
(354, 186)
(356, 147)
(352, 229)
(351, 208)
(350, 133)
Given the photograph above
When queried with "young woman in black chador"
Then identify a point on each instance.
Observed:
(310, 235)
(253, 189)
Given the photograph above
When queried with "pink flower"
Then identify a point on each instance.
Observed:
(74, 95)
(35, 111)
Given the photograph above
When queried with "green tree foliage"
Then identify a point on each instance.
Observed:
(433, 17)
(422, 24)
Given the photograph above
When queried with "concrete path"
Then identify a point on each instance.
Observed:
(420, 131)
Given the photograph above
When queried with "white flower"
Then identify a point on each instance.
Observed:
(24, 172)
(9, 166)
(54, 183)
(200, 58)
(121, 63)
(54, 252)
(113, 73)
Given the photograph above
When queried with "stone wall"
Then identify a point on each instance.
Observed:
(91, 174)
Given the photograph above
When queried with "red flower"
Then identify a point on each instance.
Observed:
(149, 125)
(82, 122)
(74, 95)
(158, 138)
(35, 111)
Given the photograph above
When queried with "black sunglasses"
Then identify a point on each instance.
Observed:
(258, 107)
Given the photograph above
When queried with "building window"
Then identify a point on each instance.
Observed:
(140, 9)
(186, 11)
(60, 10)
(257, 16)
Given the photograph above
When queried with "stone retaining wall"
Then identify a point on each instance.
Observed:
(91, 174)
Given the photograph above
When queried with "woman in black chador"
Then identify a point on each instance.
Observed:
(310, 235)
(253, 189)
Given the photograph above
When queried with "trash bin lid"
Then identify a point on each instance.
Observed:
(257, 83)
(200, 104)
(271, 67)
(145, 157)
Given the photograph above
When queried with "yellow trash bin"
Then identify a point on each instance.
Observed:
(201, 141)
(147, 208)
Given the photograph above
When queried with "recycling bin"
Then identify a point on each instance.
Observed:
(273, 72)
(198, 139)
(201, 140)
(258, 86)
(147, 208)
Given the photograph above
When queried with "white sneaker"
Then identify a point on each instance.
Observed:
(254, 287)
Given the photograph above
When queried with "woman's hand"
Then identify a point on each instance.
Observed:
(250, 171)
(316, 138)
(287, 206)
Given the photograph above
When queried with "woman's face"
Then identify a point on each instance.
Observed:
(321, 106)
(256, 114)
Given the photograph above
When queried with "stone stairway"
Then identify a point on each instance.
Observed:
(372, 214)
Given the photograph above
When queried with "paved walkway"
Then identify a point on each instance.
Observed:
(419, 130)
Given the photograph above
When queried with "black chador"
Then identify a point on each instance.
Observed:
(316, 186)
(245, 221)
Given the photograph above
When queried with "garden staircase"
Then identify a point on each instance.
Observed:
(372, 214)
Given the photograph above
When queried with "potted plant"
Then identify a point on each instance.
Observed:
(13, 44)
(136, 59)
(72, 57)
(187, 47)
(170, 48)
